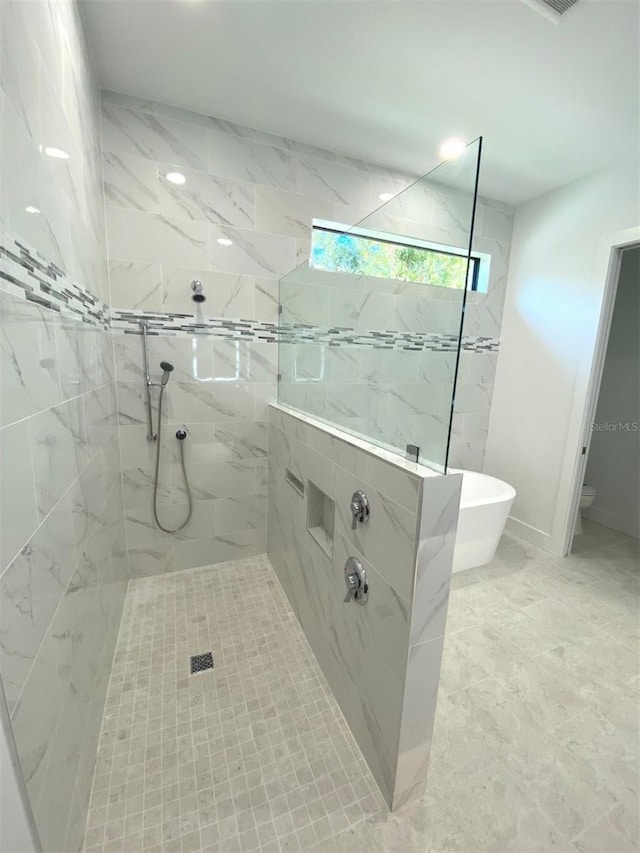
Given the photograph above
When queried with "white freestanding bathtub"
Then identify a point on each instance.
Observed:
(484, 508)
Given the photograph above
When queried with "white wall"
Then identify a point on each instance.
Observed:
(614, 456)
(552, 309)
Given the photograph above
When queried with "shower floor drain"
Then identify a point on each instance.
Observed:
(199, 663)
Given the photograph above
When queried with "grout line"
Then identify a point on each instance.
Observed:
(53, 616)
(156, 621)
(66, 491)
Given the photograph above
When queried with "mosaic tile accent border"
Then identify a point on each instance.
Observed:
(127, 322)
(250, 330)
(339, 335)
(27, 275)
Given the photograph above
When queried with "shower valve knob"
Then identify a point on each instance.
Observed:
(181, 434)
(355, 579)
(360, 509)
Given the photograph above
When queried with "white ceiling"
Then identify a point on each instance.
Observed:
(388, 80)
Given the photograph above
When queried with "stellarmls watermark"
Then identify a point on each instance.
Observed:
(617, 426)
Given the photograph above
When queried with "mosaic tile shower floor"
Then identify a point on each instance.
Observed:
(535, 743)
(251, 755)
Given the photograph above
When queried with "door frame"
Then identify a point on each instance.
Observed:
(607, 269)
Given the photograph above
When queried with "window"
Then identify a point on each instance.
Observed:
(337, 248)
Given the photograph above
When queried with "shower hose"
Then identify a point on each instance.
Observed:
(155, 481)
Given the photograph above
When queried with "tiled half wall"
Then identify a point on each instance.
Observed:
(381, 658)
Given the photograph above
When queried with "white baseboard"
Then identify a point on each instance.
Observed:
(630, 526)
(531, 535)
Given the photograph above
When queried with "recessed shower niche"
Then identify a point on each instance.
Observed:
(321, 518)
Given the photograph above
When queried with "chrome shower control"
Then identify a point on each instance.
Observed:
(355, 578)
(181, 434)
(360, 509)
(196, 288)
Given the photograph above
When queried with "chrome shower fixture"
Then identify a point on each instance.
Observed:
(144, 326)
(167, 368)
(196, 287)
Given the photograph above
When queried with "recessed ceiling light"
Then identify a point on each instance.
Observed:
(32, 209)
(176, 178)
(452, 148)
(385, 196)
(225, 241)
(56, 153)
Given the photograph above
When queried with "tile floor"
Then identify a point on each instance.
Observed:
(536, 738)
(252, 755)
(535, 745)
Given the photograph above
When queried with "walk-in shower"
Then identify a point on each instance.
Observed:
(370, 341)
(371, 326)
(181, 434)
(383, 335)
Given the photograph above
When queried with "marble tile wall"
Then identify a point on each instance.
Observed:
(257, 190)
(382, 658)
(260, 193)
(63, 571)
(49, 99)
(402, 394)
(218, 391)
(483, 316)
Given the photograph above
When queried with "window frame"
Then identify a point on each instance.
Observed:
(479, 270)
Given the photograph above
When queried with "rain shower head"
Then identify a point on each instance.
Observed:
(167, 367)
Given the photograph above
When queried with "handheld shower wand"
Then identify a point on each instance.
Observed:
(167, 368)
(181, 434)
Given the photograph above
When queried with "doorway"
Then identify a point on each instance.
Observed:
(609, 499)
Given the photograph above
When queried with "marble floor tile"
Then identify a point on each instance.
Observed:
(459, 668)
(520, 591)
(617, 830)
(567, 789)
(610, 748)
(535, 745)
(480, 814)
(571, 786)
(626, 629)
(593, 682)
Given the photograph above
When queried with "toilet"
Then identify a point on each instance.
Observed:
(587, 496)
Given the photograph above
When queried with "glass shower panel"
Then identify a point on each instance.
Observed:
(370, 324)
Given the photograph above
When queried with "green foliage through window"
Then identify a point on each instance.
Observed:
(338, 251)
